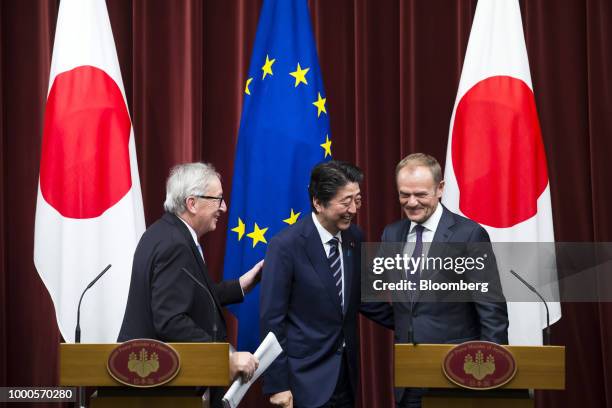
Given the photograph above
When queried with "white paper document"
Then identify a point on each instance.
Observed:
(266, 353)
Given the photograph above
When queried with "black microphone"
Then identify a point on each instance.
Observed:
(411, 329)
(77, 331)
(212, 300)
(531, 288)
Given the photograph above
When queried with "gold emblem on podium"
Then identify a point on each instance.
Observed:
(142, 365)
(479, 365)
(479, 368)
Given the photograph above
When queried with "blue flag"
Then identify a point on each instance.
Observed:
(284, 133)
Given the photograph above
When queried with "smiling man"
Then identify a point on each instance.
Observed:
(419, 187)
(310, 296)
(172, 298)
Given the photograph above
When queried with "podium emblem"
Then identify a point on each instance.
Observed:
(479, 368)
(143, 363)
(479, 365)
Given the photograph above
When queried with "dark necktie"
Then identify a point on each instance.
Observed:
(416, 254)
(418, 247)
(336, 266)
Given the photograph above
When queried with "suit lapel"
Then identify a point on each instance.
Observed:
(442, 235)
(211, 287)
(202, 268)
(318, 259)
(402, 232)
(443, 232)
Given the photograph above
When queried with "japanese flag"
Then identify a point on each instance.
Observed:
(89, 210)
(496, 170)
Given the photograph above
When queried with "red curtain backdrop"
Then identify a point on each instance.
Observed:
(391, 70)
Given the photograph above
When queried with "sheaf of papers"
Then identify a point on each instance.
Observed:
(266, 353)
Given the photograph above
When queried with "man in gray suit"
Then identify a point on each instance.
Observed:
(420, 187)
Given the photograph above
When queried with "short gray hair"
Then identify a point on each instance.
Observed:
(186, 180)
(421, 159)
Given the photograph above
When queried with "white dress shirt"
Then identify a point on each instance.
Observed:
(430, 226)
(429, 230)
(194, 236)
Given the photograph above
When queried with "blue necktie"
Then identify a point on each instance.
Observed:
(201, 252)
(336, 266)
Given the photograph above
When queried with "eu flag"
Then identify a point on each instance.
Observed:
(284, 132)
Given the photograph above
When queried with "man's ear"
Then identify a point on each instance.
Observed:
(440, 189)
(190, 204)
(317, 205)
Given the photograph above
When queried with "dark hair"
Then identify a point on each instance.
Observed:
(329, 177)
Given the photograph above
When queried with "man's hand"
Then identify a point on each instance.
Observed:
(282, 399)
(251, 278)
(244, 364)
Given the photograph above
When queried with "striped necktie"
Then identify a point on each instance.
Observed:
(336, 267)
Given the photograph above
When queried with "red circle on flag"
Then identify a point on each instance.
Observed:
(85, 163)
(497, 152)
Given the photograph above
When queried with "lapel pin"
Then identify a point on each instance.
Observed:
(351, 246)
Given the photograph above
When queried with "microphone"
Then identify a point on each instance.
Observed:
(212, 300)
(77, 331)
(531, 288)
(411, 333)
(411, 329)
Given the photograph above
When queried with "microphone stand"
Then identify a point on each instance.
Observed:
(212, 300)
(77, 331)
(531, 288)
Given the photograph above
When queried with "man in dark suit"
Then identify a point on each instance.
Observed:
(172, 297)
(420, 187)
(310, 296)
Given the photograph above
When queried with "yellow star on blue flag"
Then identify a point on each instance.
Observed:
(292, 218)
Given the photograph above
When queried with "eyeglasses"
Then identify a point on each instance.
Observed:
(220, 198)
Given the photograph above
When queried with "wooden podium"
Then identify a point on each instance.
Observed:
(201, 364)
(420, 366)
